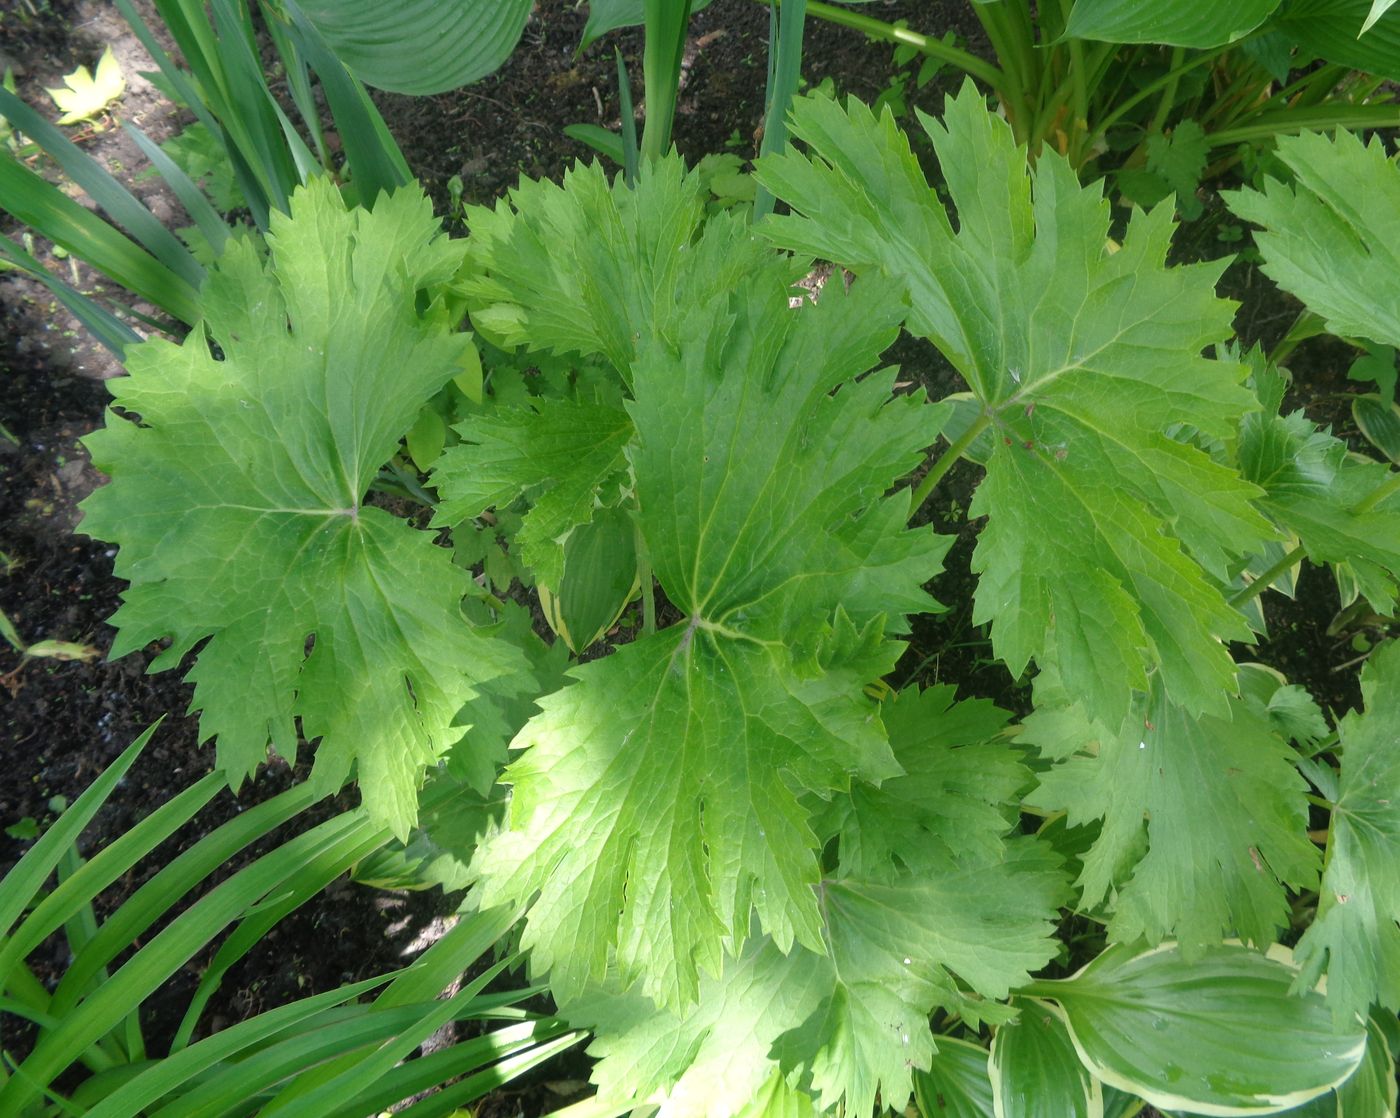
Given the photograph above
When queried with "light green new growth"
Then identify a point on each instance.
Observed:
(910, 923)
(238, 503)
(1106, 534)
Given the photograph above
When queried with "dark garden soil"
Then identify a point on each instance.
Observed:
(61, 723)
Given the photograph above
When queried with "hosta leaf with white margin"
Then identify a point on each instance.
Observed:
(956, 1084)
(593, 268)
(1355, 936)
(1185, 23)
(1219, 800)
(1332, 236)
(561, 453)
(655, 804)
(238, 503)
(1370, 1091)
(1103, 532)
(1035, 1070)
(907, 929)
(1222, 1033)
(420, 46)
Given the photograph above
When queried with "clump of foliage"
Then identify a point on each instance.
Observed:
(769, 884)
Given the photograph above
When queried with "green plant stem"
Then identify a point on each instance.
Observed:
(645, 578)
(1149, 90)
(1264, 581)
(1379, 493)
(887, 32)
(1168, 98)
(1016, 54)
(945, 462)
(1288, 121)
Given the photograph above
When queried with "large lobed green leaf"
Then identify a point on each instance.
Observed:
(238, 502)
(908, 927)
(1105, 535)
(1332, 236)
(655, 805)
(1203, 818)
(1355, 936)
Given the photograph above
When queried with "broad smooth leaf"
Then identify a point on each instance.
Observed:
(1217, 801)
(420, 46)
(1355, 936)
(654, 804)
(1103, 531)
(1036, 1072)
(956, 1084)
(1183, 23)
(1223, 1034)
(238, 503)
(1379, 422)
(1333, 29)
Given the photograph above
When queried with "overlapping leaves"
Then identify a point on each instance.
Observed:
(1083, 356)
(656, 805)
(238, 503)
(909, 925)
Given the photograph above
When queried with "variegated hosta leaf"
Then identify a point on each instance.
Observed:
(238, 503)
(1106, 536)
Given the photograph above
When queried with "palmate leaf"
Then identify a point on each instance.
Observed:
(1332, 236)
(238, 503)
(655, 803)
(1355, 936)
(1218, 801)
(1104, 532)
(87, 93)
(905, 930)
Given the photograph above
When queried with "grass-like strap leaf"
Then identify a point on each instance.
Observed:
(239, 506)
